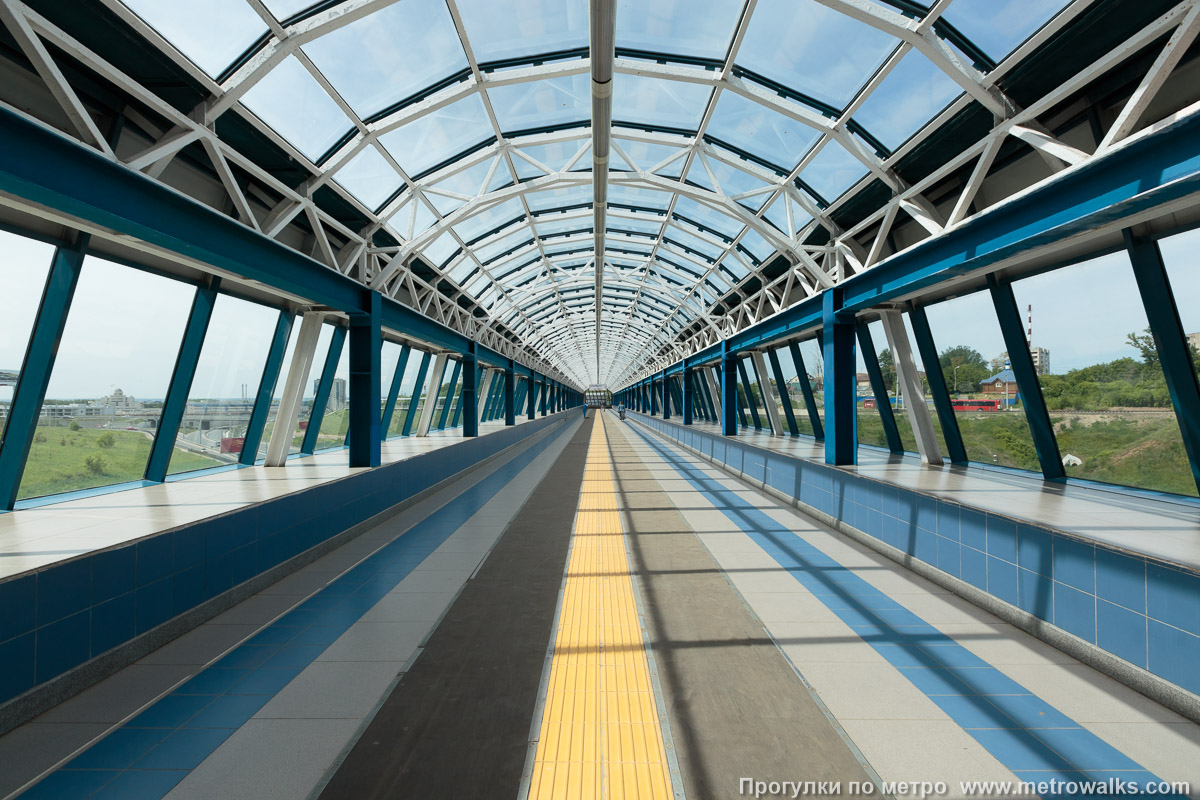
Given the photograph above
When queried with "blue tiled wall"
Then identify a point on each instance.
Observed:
(1142, 611)
(59, 617)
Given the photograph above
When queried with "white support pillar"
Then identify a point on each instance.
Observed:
(435, 386)
(485, 390)
(770, 399)
(910, 388)
(714, 390)
(293, 389)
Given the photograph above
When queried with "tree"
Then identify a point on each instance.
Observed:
(1144, 344)
(963, 367)
(887, 366)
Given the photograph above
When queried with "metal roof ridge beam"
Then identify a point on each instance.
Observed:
(602, 24)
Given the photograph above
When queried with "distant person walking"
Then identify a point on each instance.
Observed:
(621, 410)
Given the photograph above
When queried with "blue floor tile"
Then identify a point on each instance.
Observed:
(1031, 711)
(973, 711)
(1083, 749)
(1019, 750)
(294, 655)
(119, 749)
(171, 711)
(213, 681)
(229, 711)
(141, 785)
(183, 749)
(266, 681)
(66, 784)
(248, 656)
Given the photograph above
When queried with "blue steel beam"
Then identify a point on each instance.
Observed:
(510, 395)
(389, 410)
(418, 392)
(689, 377)
(30, 391)
(1171, 341)
(366, 350)
(841, 382)
(175, 402)
(1134, 180)
(1030, 389)
(879, 388)
(266, 388)
(729, 396)
(316, 413)
(470, 407)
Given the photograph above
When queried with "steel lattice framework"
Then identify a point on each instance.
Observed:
(484, 177)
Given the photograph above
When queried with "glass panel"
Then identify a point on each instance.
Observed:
(434, 137)
(1179, 255)
(814, 365)
(335, 419)
(285, 9)
(813, 49)
(516, 30)
(639, 198)
(538, 104)
(678, 27)
(791, 392)
(554, 156)
(389, 359)
(213, 34)
(407, 387)
(105, 394)
(870, 426)
(831, 172)
(222, 394)
(646, 156)
(291, 101)
(984, 389)
(911, 95)
(557, 198)
(707, 216)
(306, 401)
(643, 101)
(927, 394)
(1102, 379)
(24, 264)
(369, 177)
(377, 60)
(751, 126)
(999, 26)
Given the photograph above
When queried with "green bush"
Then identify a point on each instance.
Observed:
(74, 425)
(106, 440)
(95, 465)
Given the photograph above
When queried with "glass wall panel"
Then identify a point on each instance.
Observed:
(222, 395)
(870, 425)
(389, 359)
(105, 396)
(987, 401)
(814, 364)
(314, 372)
(791, 392)
(335, 419)
(408, 388)
(928, 396)
(1101, 376)
(756, 412)
(442, 395)
(24, 264)
(1183, 270)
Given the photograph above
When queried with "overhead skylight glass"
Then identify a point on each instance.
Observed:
(369, 177)
(695, 28)
(500, 214)
(213, 34)
(552, 155)
(911, 94)
(521, 236)
(290, 100)
(441, 249)
(466, 184)
(652, 226)
(999, 26)
(516, 30)
(730, 181)
(655, 102)
(551, 226)
(433, 138)
(761, 131)
(376, 61)
(638, 197)
(812, 49)
(554, 198)
(645, 156)
(542, 104)
(286, 9)
(707, 216)
(832, 171)
(690, 240)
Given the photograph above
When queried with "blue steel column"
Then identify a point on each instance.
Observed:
(688, 378)
(937, 385)
(470, 411)
(389, 410)
(38, 365)
(1030, 390)
(415, 400)
(729, 398)
(542, 397)
(510, 394)
(666, 396)
(531, 396)
(785, 398)
(441, 426)
(810, 401)
(266, 389)
(366, 378)
(316, 413)
(841, 381)
(1170, 340)
(879, 389)
(175, 402)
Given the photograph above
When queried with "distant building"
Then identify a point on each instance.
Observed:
(1003, 382)
(121, 403)
(1041, 359)
(864, 383)
(1194, 340)
(337, 394)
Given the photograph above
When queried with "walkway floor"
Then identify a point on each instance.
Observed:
(598, 614)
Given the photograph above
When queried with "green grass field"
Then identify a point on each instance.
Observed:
(62, 460)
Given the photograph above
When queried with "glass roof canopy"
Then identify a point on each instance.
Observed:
(463, 127)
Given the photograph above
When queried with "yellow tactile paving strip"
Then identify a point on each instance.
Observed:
(600, 735)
